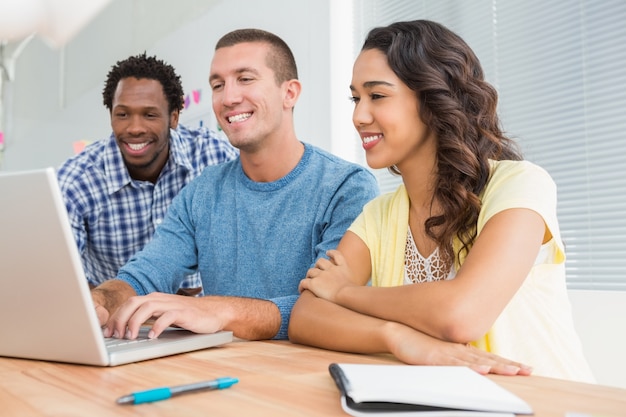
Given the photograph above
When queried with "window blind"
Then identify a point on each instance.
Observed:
(559, 69)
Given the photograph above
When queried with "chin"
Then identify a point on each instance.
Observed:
(377, 164)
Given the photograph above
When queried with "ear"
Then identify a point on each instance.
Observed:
(292, 93)
(174, 119)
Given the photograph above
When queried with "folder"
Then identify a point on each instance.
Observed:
(424, 391)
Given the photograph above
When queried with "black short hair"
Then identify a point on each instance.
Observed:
(145, 67)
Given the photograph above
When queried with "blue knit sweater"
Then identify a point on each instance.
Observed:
(253, 239)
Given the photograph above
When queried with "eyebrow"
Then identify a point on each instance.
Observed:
(125, 106)
(371, 84)
(237, 71)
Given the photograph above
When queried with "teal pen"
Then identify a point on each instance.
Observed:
(158, 394)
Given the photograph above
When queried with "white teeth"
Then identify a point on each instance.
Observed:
(137, 146)
(372, 138)
(239, 118)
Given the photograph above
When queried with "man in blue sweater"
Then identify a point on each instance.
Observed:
(253, 226)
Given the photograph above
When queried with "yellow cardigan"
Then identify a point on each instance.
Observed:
(537, 321)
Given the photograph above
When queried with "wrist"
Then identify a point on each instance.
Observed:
(98, 297)
(345, 296)
(392, 335)
(111, 294)
(221, 309)
(411, 346)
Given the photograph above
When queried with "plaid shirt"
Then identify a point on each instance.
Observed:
(112, 215)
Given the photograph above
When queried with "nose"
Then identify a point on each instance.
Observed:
(361, 115)
(230, 94)
(136, 125)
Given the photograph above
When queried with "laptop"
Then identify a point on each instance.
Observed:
(46, 311)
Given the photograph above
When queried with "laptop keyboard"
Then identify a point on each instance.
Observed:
(113, 342)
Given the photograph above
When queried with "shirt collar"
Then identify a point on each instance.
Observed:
(117, 176)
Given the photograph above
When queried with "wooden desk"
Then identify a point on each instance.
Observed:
(276, 379)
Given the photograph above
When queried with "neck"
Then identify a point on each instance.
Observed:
(422, 206)
(419, 179)
(272, 162)
(150, 173)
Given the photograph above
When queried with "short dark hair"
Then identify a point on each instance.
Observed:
(145, 67)
(280, 59)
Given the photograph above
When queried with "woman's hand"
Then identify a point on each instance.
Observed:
(416, 348)
(328, 277)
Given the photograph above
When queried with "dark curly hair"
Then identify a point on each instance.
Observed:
(459, 106)
(142, 67)
(280, 59)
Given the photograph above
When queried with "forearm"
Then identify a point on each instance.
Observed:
(405, 304)
(317, 322)
(247, 318)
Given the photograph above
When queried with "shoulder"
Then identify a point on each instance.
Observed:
(201, 146)
(214, 184)
(88, 164)
(334, 165)
(199, 137)
(387, 202)
(186, 133)
(82, 178)
(337, 173)
(382, 213)
(218, 175)
(521, 178)
(518, 171)
(518, 184)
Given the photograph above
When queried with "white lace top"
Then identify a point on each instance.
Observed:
(419, 269)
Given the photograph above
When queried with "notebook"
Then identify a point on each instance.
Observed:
(46, 311)
(424, 391)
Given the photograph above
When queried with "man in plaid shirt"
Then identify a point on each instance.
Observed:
(118, 190)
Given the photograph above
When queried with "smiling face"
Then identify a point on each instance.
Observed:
(248, 103)
(386, 115)
(141, 122)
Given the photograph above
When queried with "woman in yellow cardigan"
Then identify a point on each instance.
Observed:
(468, 248)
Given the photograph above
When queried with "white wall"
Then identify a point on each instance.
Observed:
(56, 94)
(600, 319)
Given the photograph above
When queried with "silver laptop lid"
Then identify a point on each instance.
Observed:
(46, 311)
(45, 304)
